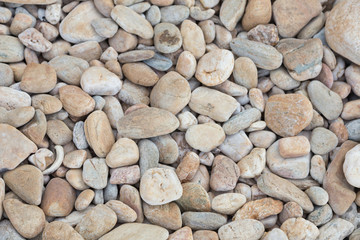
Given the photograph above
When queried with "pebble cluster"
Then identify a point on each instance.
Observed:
(179, 119)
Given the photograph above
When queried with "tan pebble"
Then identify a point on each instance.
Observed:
(35, 40)
(290, 210)
(224, 174)
(58, 132)
(202, 177)
(188, 167)
(186, 64)
(341, 88)
(228, 203)
(184, 233)
(95, 173)
(230, 13)
(49, 31)
(256, 12)
(104, 6)
(46, 103)
(162, 3)
(38, 78)
(257, 99)
(57, 230)
(74, 177)
(193, 38)
(205, 235)
(294, 228)
(291, 147)
(245, 72)
(123, 41)
(125, 175)
(242, 229)
(167, 38)
(36, 129)
(75, 101)
(252, 164)
(84, 199)
(131, 197)
(16, 117)
(194, 198)
(105, 27)
(140, 73)
(136, 56)
(340, 130)
(114, 66)
(21, 22)
(123, 212)
(88, 51)
(75, 159)
(208, 28)
(167, 215)
(123, 153)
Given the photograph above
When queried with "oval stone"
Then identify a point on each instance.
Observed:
(205, 137)
(136, 231)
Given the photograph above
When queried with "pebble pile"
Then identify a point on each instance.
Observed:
(179, 119)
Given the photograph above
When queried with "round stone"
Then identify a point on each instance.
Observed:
(351, 166)
(167, 215)
(317, 195)
(323, 141)
(248, 229)
(167, 38)
(224, 174)
(38, 78)
(228, 203)
(205, 137)
(124, 152)
(194, 198)
(299, 228)
(57, 230)
(95, 173)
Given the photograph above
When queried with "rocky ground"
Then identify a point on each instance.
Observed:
(179, 119)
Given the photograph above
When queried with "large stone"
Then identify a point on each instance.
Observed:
(288, 114)
(224, 174)
(76, 26)
(137, 231)
(8, 231)
(146, 123)
(194, 198)
(11, 49)
(15, 147)
(75, 101)
(230, 12)
(336, 229)
(100, 81)
(342, 29)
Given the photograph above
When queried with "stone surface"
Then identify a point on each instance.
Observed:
(236, 146)
(323, 141)
(205, 137)
(100, 81)
(245, 72)
(228, 203)
(123, 153)
(336, 229)
(184, 233)
(291, 147)
(350, 166)
(135, 231)
(146, 123)
(193, 38)
(38, 78)
(252, 164)
(299, 228)
(194, 198)
(224, 174)
(288, 114)
(203, 220)
(59, 230)
(230, 13)
(166, 215)
(75, 101)
(95, 173)
(248, 229)
(34, 40)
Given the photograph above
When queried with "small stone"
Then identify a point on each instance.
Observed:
(159, 186)
(159, 62)
(188, 167)
(149, 155)
(167, 38)
(123, 212)
(100, 81)
(98, 133)
(230, 13)
(241, 121)
(275, 234)
(175, 14)
(245, 72)
(257, 12)
(58, 199)
(75, 159)
(89, 50)
(212, 103)
(326, 101)
(318, 168)
(58, 132)
(224, 174)
(264, 56)
(350, 110)
(15, 147)
(193, 39)
(135, 231)
(228, 203)
(57, 230)
(84, 199)
(168, 149)
(299, 228)
(9, 231)
(136, 56)
(194, 198)
(21, 22)
(186, 119)
(205, 235)
(267, 34)
(203, 220)
(28, 220)
(282, 189)
(11, 49)
(215, 67)
(11, 98)
(79, 137)
(124, 152)
(253, 164)
(6, 75)
(75, 101)
(184, 233)
(35, 40)
(48, 104)
(262, 139)
(205, 137)
(172, 93)
(288, 114)
(323, 141)
(95, 173)
(131, 197)
(36, 129)
(350, 166)
(153, 15)
(291, 147)
(125, 175)
(291, 17)
(26, 182)
(140, 73)
(105, 27)
(259, 209)
(186, 64)
(80, 18)
(353, 129)
(352, 74)
(97, 222)
(248, 229)
(317, 195)
(290, 210)
(336, 229)
(132, 22)
(236, 146)
(321, 215)
(166, 215)
(282, 79)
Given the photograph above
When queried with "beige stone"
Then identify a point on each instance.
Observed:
(230, 12)
(123, 212)
(135, 231)
(194, 198)
(294, 229)
(140, 73)
(186, 64)
(188, 167)
(246, 229)
(205, 137)
(16, 117)
(84, 199)
(259, 209)
(291, 147)
(193, 38)
(166, 215)
(123, 153)
(47, 103)
(35, 40)
(95, 173)
(58, 132)
(256, 12)
(228, 203)
(75, 101)
(11, 49)
(224, 174)
(57, 230)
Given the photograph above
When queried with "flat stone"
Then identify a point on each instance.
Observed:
(140, 73)
(321, 215)
(259, 209)
(146, 123)
(168, 149)
(224, 174)
(336, 229)
(26, 182)
(323, 141)
(131, 93)
(123, 212)
(282, 79)
(123, 153)
(228, 203)
(257, 12)
(15, 147)
(230, 13)
(236, 146)
(203, 220)
(97, 222)
(11, 98)
(194, 198)
(291, 17)
(299, 228)
(125, 175)
(215, 67)
(159, 62)
(212, 103)
(167, 38)
(28, 220)
(11, 49)
(57, 230)
(135, 56)
(246, 229)
(350, 166)
(264, 56)
(100, 81)
(193, 38)
(291, 147)
(241, 121)
(132, 22)
(135, 231)
(282, 189)
(166, 215)
(95, 173)
(288, 114)
(205, 137)
(302, 58)
(160, 186)
(341, 30)
(327, 102)
(76, 26)
(75, 101)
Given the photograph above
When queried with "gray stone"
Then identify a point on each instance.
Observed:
(159, 62)
(323, 141)
(336, 229)
(149, 155)
(353, 128)
(236, 146)
(110, 192)
(203, 220)
(321, 215)
(174, 14)
(168, 149)
(241, 121)
(8, 232)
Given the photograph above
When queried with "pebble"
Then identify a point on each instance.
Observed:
(215, 67)
(188, 167)
(341, 30)
(186, 119)
(175, 14)
(125, 175)
(241, 121)
(79, 137)
(89, 50)
(205, 235)
(75, 159)
(104, 27)
(275, 234)
(6, 75)
(267, 34)
(193, 39)
(38, 78)
(291, 147)
(230, 13)
(26, 182)
(290, 210)
(336, 229)
(96, 222)
(80, 18)
(159, 62)
(11, 49)
(282, 79)
(323, 141)
(124, 152)
(352, 77)
(213, 103)
(186, 64)
(100, 81)
(172, 92)
(224, 174)
(228, 203)
(153, 15)
(256, 12)
(28, 220)
(262, 138)
(36, 129)
(326, 101)
(11, 98)
(317, 195)
(75, 101)
(350, 166)
(131, 197)
(350, 110)
(131, 94)
(203, 220)
(95, 173)
(317, 168)
(236, 146)
(132, 22)
(123, 212)
(14, 148)
(168, 149)
(184, 233)
(353, 129)
(253, 164)
(321, 215)
(57, 230)
(136, 56)
(291, 17)
(259, 209)
(288, 114)
(167, 38)
(9, 231)
(84, 199)
(58, 132)
(34, 40)
(282, 189)
(149, 155)
(166, 215)
(248, 229)
(299, 228)
(48, 104)
(21, 22)
(160, 186)
(194, 198)
(113, 110)
(58, 199)
(140, 73)
(134, 231)
(205, 137)
(245, 72)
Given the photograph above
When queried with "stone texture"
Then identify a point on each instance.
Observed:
(135, 231)
(38, 78)
(248, 229)
(224, 174)
(203, 220)
(259, 209)
(205, 137)
(194, 198)
(299, 228)
(125, 175)
(230, 13)
(350, 166)
(95, 173)
(166, 215)
(228, 203)
(75, 101)
(124, 152)
(336, 229)
(60, 231)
